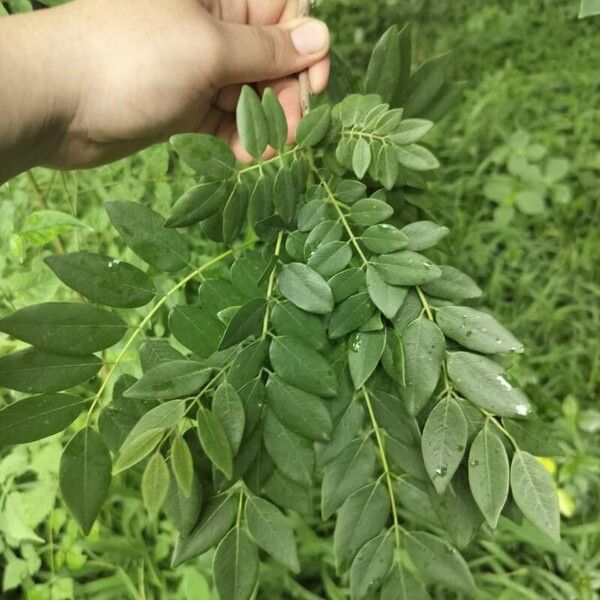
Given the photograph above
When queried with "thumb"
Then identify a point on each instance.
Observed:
(260, 53)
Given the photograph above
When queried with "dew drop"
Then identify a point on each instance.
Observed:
(503, 382)
(441, 471)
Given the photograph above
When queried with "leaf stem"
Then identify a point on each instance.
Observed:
(501, 428)
(148, 318)
(271, 285)
(333, 200)
(384, 463)
(259, 165)
(429, 312)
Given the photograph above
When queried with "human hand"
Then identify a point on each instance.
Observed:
(131, 73)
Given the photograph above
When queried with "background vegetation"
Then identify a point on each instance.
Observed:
(519, 188)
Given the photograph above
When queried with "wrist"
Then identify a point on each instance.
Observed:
(39, 64)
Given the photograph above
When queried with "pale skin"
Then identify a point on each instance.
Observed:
(92, 81)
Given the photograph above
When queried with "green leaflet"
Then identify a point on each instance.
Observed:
(452, 285)
(37, 417)
(183, 511)
(350, 190)
(346, 430)
(235, 566)
(371, 565)
(288, 494)
(216, 519)
(65, 328)
(218, 294)
(252, 123)
(424, 348)
(488, 474)
(422, 235)
(484, 383)
(325, 232)
(207, 155)
(84, 476)
(136, 448)
(364, 352)
(534, 492)
(457, 511)
(272, 531)
(588, 8)
(285, 195)
(439, 562)
(361, 157)
(301, 366)
(350, 314)
(401, 584)
(182, 465)
(361, 517)
(345, 474)
(387, 298)
(302, 413)
(229, 410)
(330, 258)
(444, 442)
(37, 372)
(287, 319)
(425, 84)
(155, 483)
(410, 131)
(154, 352)
(370, 211)
(276, 121)
(103, 279)
(346, 283)
(143, 231)
(169, 380)
(246, 322)
(306, 288)
(476, 330)
(384, 67)
(383, 237)
(292, 454)
(196, 329)
(417, 158)
(214, 441)
(198, 203)
(314, 126)
(234, 213)
(406, 268)
(147, 433)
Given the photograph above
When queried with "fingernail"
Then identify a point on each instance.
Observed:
(310, 37)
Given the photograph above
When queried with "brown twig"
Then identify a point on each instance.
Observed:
(304, 11)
